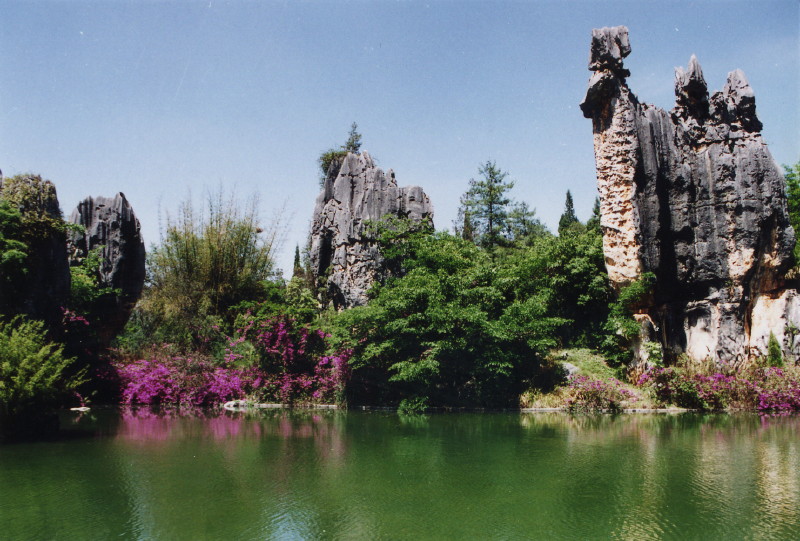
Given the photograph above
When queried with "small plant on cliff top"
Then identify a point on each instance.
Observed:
(336, 155)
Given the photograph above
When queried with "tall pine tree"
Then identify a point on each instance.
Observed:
(568, 217)
(593, 224)
(485, 206)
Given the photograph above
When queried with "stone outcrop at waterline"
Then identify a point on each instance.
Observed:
(343, 257)
(693, 196)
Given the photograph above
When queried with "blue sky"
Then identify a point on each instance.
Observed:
(160, 99)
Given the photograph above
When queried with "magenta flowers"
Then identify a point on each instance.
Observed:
(277, 360)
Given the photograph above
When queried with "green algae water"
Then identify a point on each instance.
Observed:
(369, 475)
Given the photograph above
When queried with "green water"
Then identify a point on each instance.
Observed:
(359, 475)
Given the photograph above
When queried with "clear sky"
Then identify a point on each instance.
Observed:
(157, 99)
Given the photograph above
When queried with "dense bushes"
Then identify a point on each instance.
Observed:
(456, 330)
(588, 394)
(207, 263)
(756, 388)
(34, 373)
(266, 360)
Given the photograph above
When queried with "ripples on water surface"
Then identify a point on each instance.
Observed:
(356, 475)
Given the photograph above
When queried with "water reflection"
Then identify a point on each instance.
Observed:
(328, 474)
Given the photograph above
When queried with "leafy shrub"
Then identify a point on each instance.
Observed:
(621, 327)
(412, 406)
(85, 289)
(451, 330)
(207, 264)
(34, 374)
(13, 252)
(777, 389)
(587, 394)
(179, 380)
(762, 389)
(274, 360)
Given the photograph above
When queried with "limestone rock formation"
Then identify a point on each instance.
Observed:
(693, 196)
(44, 289)
(342, 255)
(112, 227)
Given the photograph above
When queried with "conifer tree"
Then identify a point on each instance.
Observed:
(486, 205)
(298, 265)
(568, 217)
(336, 155)
(593, 224)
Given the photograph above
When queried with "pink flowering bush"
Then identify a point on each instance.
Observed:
(762, 389)
(179, 380)
(275, 360)
(587, 394)
(778, 389)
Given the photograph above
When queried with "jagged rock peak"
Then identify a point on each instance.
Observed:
(741, 102)
(691, 90)
(609, 46)
(342, 255)
(111, 225)
(694, 197)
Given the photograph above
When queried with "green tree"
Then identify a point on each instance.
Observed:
(450, 332)
(523, 227)
(13, 253)
(792, 176)
(335, 156)
(297, 266)
(566, 272)
(568, 217)
(32, 217)
(353, 143)
(206, 264)
(486, 204)
(593, 224)
(34, 376)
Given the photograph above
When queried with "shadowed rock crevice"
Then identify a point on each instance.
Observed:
(693, 196)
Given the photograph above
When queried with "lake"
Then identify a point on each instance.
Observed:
(314, 474)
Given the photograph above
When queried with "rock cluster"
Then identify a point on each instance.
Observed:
(44, 289)
(693, 196)
(355, 192)
(111, 226)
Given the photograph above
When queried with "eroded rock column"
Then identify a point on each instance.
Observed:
(112, 228)
(342, 255)
(693, 196)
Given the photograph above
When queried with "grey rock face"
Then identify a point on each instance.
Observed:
(45, 287)
(111, 225)
(354, 193)
(693, 196)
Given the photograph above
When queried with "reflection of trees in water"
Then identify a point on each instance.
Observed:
(242, 469)
(279, 473)
(739, 472)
